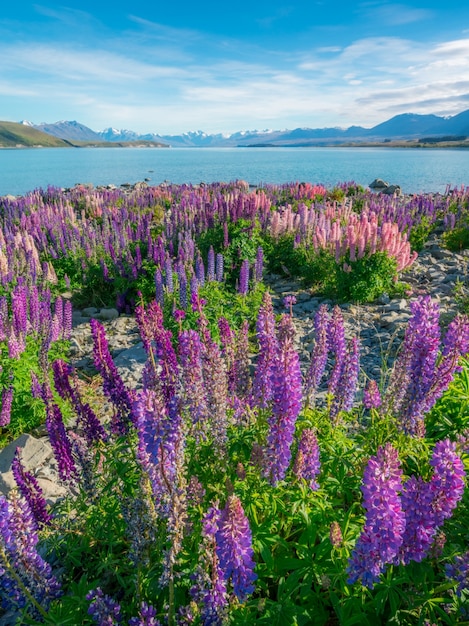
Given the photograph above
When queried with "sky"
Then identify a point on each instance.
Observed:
(220, 67)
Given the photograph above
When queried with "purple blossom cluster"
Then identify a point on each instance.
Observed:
(307, 464)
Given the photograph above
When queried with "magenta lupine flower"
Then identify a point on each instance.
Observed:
(382, 534)
(348, 381)
(103, 609)
(307, 465)
(288, 303)
(287, 400)
(371, 395)
(113, 385)
(18, 551)
(194, 399)
(146, 616)
(68, 320)
(243, 286)
(262, 389)
(337, 346)
(219, 268)
(30, 490)
(318, 362)
(16, 345)
(7, 401)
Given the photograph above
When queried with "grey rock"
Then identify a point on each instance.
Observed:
(90, 311)
(34, 452)
(378, 183)
(108, 314)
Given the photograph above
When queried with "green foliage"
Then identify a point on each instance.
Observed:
(456, 239)
(369, 277)
(420, 233)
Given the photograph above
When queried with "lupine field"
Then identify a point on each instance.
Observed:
(224, 491)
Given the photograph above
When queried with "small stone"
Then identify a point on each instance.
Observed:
(90, 311)
(108, 314)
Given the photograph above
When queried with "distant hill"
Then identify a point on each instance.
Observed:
(14, 135)
(405, 127)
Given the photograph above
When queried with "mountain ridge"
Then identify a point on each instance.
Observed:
(402, 127)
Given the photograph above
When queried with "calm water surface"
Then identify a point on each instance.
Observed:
(416, 171)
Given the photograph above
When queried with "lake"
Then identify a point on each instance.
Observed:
(415, 170)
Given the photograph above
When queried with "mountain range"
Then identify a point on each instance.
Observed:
(404, 127)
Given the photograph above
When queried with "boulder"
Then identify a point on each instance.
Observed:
(378, 183)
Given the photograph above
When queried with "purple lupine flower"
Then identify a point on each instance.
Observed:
(216, 386)
(58, 319)
(68, 320)
(287, 400)
(88, 420)
(103, 609)
(7, 401)
(427, 505)
(219, 268)
(193, 394)
(259, 266)
(33, 308)
(318, 362)
(168, 268)
(337, 346)
(307, 465)
(200, 271)
(371, 395)
(288, 303)
(159, 290)
(241, 362)
(228, 350)
(19, 309)
(459, 571)
(234, 548)
(113, 385)
(262, 388)
(58, 438)
(36, 390)
(382, 534)
(30, 490)
(183, 289)
(18, 546)
(210, 586)
(146, 616)
(243, 286)
(348, 381)
(16, 345)
(211, 264)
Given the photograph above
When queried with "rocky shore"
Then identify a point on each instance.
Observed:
(379, 325)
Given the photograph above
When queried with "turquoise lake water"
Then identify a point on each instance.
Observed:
(415, 170)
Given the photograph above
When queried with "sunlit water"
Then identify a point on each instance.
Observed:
(415, 170)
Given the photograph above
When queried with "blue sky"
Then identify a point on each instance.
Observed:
(176, 66)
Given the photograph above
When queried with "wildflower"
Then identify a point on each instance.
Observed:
(335, 535)
(307, 464)
(30, 490)
(193, 394)
(319, 354)
(459, 571)
(7, 401)
(371, 395)
(262, 389)
(211, 264)
(348, 380)
(103, 609)
(287, 400)
(219, 267)
(382, 534)
(259, 265)
(146, 616)
(337, 346)
(243, 286)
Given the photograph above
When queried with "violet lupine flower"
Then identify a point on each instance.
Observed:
(168, 267)
(318, 362)
(211, 264)
(287, 400)
(243, 286)
(228, 350)
(234, 548)
(19, 309)
(337, 346)
(36, 390)
(30, 490)
(259, 265)
(348, 381)
(159, 290)
(88, 420)
(103, 609)
(58, 438)
(113, 385)
(219, 268)
(210, 589)
(200, 271)
(16, 345)
(241, 362)
(146, 616)
(459, 571)
(18, 553)
(371, 395)
(183, 289)
(288, 303)
(7, 401)
(382, 534)
(193, 394)
(307, 465)
(68, 320)
(447, 482)
(216, 386)
(262, 388)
